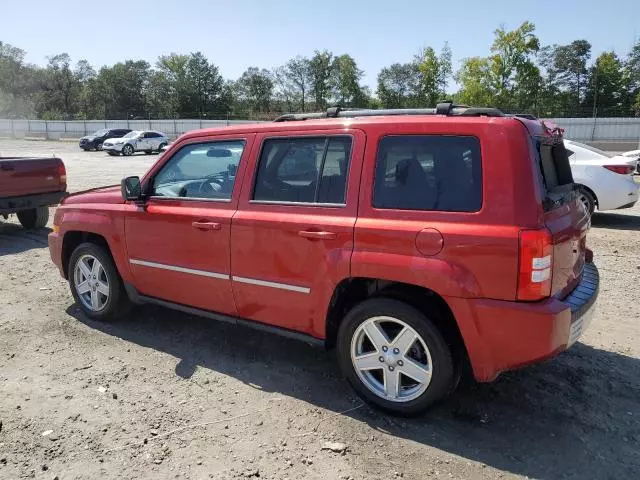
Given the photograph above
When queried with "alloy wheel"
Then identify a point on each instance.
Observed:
(91, 283)
(391, 359)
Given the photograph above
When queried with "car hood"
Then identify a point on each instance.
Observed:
(109, 194)
(91, 138)
(118, 139)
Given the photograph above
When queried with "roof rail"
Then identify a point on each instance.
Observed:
(446, 108)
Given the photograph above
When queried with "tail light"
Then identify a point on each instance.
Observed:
(536, 259)
(621, 169)
(62, 175)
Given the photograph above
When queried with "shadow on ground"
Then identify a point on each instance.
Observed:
(616, 221)
(574, 417)
(15, 239)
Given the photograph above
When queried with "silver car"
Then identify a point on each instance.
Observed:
(147, 141)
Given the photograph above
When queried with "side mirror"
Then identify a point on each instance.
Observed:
(130, 188)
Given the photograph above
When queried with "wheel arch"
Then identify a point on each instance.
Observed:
(351, 291)
(590, 191)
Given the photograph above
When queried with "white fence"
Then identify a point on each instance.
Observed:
(55, 130)
(600, 129)
(580, 129)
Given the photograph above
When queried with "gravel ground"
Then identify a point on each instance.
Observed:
(167, 395)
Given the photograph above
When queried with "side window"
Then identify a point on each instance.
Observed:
(201, 170)
(428, 172)
(303, 169)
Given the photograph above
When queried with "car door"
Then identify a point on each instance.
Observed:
(143, 142)
(292, 236)
(178, 241)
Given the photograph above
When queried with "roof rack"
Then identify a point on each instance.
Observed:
(447, 108)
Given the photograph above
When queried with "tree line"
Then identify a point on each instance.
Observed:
(518, 75)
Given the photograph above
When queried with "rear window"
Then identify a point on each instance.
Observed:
(428, 172)
(553, 161)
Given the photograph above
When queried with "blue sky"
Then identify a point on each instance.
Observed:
(237, 34)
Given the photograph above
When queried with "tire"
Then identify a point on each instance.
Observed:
(587, 199)
(109, 306)
(160, 147)
(98, 146)
(34, 217)
(413, 397)
(127, 150)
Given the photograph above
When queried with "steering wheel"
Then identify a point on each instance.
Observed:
(206, 190)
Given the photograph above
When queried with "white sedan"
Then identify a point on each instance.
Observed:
(606, 181)
(147, 141)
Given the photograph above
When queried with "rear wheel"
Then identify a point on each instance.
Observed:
(161, 146)
(127, 150)
(34, 217)
(395, 357)
(95, 283)
(587, 199)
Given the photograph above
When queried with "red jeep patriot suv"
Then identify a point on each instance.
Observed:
(414, 241)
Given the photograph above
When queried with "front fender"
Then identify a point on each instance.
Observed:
(98, 222)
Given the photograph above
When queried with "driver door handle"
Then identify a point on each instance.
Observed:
(317, 235)
(206, 226)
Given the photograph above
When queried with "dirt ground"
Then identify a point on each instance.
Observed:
(167, 395)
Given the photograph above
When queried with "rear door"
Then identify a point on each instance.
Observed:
(564, 215)
(292, 236)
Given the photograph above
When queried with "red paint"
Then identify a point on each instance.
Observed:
(470, 259)
(30, 176)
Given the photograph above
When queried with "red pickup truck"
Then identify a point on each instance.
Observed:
(414, 241)
(28, 186)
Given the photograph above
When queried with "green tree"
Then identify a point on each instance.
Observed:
(632, 78)
(605, 90)
(346, 82)
(510, 61)
(321, 72)
(255, 87)
(203, 84)
(397, 85)
(434, 72)
(474, 78)
(298, 71)
(61, 89)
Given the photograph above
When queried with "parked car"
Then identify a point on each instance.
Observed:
(95, 140)
(606, 181)
(147, 141)
(634, 155)
(28, 186)
(415, 243)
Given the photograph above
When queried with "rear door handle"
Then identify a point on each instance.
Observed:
(317, 235)
(206, 226)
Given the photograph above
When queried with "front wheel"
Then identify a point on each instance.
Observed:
(395, 357)
(98, 146)
(34, 217)
(95, 283)
(127, 150)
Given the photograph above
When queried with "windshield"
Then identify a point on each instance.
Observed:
(131, 135)
(592, 149)
(100, 133)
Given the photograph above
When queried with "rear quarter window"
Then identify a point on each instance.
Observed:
(428, 172)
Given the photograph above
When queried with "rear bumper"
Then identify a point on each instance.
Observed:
(25, 202)
(510, 335)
